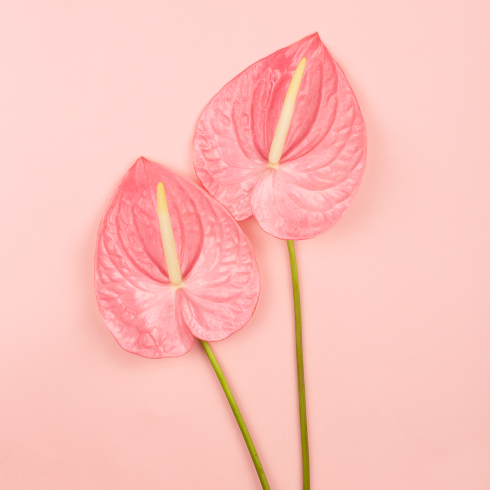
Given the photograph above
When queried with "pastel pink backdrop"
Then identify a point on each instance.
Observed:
(395, 296)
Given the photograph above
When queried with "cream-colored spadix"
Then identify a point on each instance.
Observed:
(169, 248)
(286, 115)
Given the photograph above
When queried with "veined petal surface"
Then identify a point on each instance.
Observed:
(221, 282)
(324, 155)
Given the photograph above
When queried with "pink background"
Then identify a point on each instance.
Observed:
(395, 296)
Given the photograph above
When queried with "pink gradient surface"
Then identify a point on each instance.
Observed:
(395, 296)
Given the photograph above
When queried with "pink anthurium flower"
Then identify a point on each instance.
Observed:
(285, 142)
(220, 281)
(172, 264)
(307, 186)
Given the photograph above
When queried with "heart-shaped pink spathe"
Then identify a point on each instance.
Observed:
(221, 282)
(325, 152)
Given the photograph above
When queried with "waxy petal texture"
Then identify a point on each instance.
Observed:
(221, 282)
(324, 155)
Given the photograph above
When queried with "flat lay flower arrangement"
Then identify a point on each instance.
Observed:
(285, 142)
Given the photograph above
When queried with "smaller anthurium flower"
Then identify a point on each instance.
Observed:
(284, 141)
(171, 264)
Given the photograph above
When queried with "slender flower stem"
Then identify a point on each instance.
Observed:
(300, 368)
(238, 416)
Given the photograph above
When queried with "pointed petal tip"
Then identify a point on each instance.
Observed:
(142, 161)
(312, 39)
(315, 36)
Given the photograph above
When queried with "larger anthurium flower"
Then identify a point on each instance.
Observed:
(218, 288)
(323, 157)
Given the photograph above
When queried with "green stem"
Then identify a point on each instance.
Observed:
(300, 368)
(238, 416)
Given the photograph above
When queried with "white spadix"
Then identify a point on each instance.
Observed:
(286, 116)
(169, 248)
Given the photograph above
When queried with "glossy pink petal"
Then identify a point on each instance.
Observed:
(221, 281)
(323, 158)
